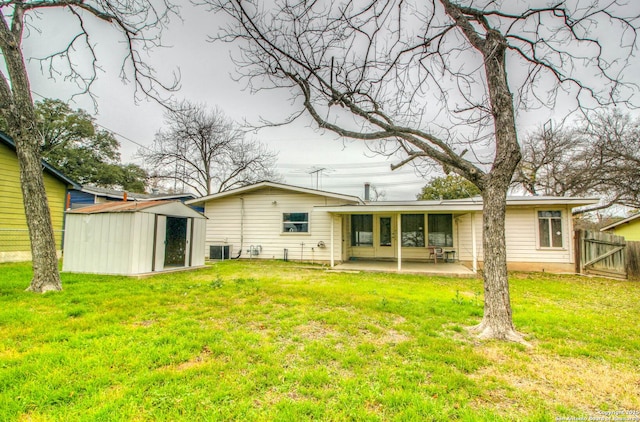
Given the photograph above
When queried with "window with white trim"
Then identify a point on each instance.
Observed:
(550, 229)
(295, 222)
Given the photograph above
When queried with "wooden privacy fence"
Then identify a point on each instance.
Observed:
(601, 254)
(633, 260)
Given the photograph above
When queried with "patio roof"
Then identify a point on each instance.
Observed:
(453, 205)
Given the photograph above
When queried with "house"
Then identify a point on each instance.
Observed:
(274, 221)
(131, 238)
(629, 228)
(90, 195)
(277, 221)
(14, 234)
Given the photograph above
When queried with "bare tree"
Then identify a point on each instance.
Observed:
(552, 163)
(206, 152)
(437, 80)
(377, 194)
(138, 24)
(599, 155)
(613, 157)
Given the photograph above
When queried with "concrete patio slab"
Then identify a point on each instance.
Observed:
(444, 269)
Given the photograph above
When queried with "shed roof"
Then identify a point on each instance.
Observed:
(155, 207)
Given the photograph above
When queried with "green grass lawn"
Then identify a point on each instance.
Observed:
(279, 341)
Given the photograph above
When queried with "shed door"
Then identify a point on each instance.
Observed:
(175, 242)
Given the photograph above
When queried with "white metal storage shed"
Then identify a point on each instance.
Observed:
(131, 238)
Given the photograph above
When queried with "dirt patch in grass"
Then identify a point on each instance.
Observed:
(316, 330)
(275, 395)
(384, 336)
(581, 383)
(145, 323)
(198, 360)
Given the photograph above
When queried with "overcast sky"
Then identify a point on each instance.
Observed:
(205, 73)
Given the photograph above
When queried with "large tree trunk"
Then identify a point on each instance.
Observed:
(43, 246)
(497, 320)
(17, 109)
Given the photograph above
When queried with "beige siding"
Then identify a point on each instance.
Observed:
(258, 216)
(521, 237)
(463, 227)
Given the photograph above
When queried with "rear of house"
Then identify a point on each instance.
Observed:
(275, 221)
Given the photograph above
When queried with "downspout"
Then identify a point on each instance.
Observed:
(241, 228)
(332, 240)
(474, 247)
(399, 239)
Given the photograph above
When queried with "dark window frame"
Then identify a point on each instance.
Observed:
(436, 235)
(361, 224)
(412, 230)
(295, 225)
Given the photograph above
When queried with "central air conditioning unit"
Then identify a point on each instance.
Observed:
(219, 252)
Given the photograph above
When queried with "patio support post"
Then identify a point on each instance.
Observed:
(331, 248)
(399, 241)
(474, 244)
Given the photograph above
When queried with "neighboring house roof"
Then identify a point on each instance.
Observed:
(117, 194)
(467, 204)
(133, 206)
(5, 139)
(261, 185)
(618, 223)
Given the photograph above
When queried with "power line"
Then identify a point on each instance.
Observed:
(339, 165)
(113, 132)
(335, 176)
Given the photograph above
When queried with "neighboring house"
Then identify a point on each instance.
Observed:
(90, 195)
(14, 235)
(130, 238)
(629, 228)
(271, 220)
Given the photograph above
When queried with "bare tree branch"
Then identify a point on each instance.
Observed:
(205, 151)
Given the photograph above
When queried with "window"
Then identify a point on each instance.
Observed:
(295, 222)
(550, 229)
(440, 230)
(385, 231)
(362, 230)
(413, 230)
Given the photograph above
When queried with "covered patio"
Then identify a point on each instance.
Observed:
(411, 267)
(420, 237)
